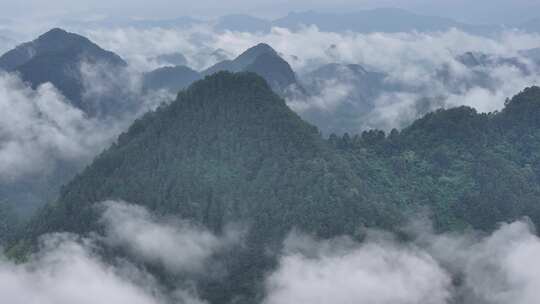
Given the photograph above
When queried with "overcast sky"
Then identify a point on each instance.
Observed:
(472, 11)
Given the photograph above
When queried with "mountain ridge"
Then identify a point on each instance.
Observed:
(229, 150)
(55, 57)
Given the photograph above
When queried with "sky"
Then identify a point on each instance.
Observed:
(478, 11)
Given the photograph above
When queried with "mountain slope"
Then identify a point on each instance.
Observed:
(389, 20)
(229, 129)
(56, 57)
(229, 150)
(243, 23)
(173, 79)
(261, 59)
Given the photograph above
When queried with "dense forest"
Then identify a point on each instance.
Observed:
(229, 150)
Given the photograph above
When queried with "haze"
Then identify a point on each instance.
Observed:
(482, 11)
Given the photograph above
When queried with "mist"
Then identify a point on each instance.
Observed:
(466, 267)
(436, 269)
(421, 72)
(411, 63)
(69, 268)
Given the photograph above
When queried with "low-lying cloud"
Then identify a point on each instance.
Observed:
(414, 64)
(39, 127)
(72, 269)
(67, 270)
(376, 272)
(467, 268)
(178, 246)
(435, 269)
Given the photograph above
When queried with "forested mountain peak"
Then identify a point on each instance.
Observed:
(263, 60)
(252, 53)
(243, 60)
(527, 100)
(229, 150)
(172, 78)
(227, 129)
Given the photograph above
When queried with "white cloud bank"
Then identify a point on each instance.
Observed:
(412, 62)
(463, 268)
(496, 269)
(38, 127)
(67, 271)
(176, 245)
(70, 269)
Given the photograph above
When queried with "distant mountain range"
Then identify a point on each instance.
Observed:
(389, 20)
(179, 22)
(261, 59)
(364, 21)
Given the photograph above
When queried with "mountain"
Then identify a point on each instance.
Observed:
(263, 60)
(243, 60)
(123, 22)
(243, 23)
(169, 78)
(9, 223)
(389, 20)
(179, 22)
(229, 150)
(56, 57)
(174, 59)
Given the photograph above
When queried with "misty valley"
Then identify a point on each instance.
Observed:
(375, 156)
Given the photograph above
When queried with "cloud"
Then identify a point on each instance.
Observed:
(69, 268)
(496, 269)
(140, 47)
(468, 267)
(331, 93)
(439, 269)
(41, 130)
(422, 69)
(66, 270)
(376, 273)
(176, 245)
(116, 93)
(39, 127)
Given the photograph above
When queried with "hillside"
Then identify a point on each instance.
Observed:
(229, 150)
(263, 60)
(172, 78)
